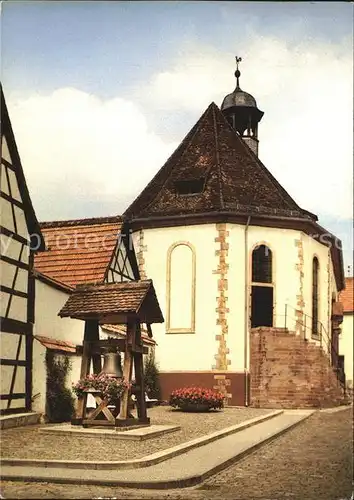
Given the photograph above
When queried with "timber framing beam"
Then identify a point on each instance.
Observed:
(11, 291)
(9, 325)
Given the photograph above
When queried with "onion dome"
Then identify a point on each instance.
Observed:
(240, 108)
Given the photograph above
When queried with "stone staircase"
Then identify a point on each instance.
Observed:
(288, 371)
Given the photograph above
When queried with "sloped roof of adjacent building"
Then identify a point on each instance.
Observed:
(233, 177)
(78, 251)
(30, 215)
(347, 296)
(56, 344)
(121, 332)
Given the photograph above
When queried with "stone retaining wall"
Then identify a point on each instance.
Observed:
(288, 371)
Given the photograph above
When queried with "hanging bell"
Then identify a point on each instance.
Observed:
(112, 364)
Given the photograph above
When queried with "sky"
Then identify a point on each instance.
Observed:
(101, 93)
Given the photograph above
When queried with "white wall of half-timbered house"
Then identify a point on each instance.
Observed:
(14, 280)
(49, 301)
(120, 268)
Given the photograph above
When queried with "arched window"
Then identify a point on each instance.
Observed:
(262, 265)
(315, 273)
(262, 287)
(180, 293)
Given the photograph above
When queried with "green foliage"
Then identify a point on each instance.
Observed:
(151, 376)
(60, 402)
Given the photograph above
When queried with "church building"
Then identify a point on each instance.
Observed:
(247, 280)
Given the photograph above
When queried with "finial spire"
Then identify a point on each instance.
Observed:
(237, 72)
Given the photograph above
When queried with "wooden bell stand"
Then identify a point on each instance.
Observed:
(133, 350)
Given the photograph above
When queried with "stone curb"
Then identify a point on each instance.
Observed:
(336, 409)
(10, 421)
(146, 461)
(119, 436)
(167, 484)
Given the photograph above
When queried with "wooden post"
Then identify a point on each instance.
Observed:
(139, 377)
(127, 370)
(85, 368)
(91, 333)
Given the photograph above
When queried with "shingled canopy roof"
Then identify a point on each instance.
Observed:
(114, 303)
(224, 174)
(78, 251)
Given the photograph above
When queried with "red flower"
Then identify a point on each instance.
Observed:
(196, 395)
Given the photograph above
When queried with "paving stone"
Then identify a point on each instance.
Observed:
(29, 442)
(183, 470)
(313, 461)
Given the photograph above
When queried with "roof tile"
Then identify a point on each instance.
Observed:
(347, 296)
(78, 251)
(234, 178)
(100, 300)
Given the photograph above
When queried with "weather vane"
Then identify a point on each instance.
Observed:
(237, 72)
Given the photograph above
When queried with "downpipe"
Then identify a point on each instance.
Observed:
(245, 340)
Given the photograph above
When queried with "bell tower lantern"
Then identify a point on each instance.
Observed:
(240, 109)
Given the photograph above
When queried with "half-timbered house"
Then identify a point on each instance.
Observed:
(20, 239)
(77, 252)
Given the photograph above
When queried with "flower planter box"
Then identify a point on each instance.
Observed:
(196, 399)
(196, 408)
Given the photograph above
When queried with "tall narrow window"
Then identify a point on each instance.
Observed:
(262, 287)
(262, 265)
(315, 270)
(180, 288)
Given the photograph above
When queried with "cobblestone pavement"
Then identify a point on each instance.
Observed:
(314, 461)
(29, 442)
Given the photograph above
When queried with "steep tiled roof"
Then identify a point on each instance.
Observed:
(121, 331)
(234, 179)
(103, 300)
(347, 295)
(78, 251)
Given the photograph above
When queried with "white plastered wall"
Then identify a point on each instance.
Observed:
(185, 351)
(285, 280)
(49, 301)
(16, 308)
(346, 346)
(190, 352)
(9, 347)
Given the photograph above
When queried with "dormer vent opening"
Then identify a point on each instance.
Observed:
(186, 187)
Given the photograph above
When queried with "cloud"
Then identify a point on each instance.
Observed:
(84, 156)
(306, 91)
(77, 150)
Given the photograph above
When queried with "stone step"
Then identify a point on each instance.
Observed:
(19, 419)
(187, 469)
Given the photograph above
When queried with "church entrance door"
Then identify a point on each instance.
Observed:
(262, 306)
